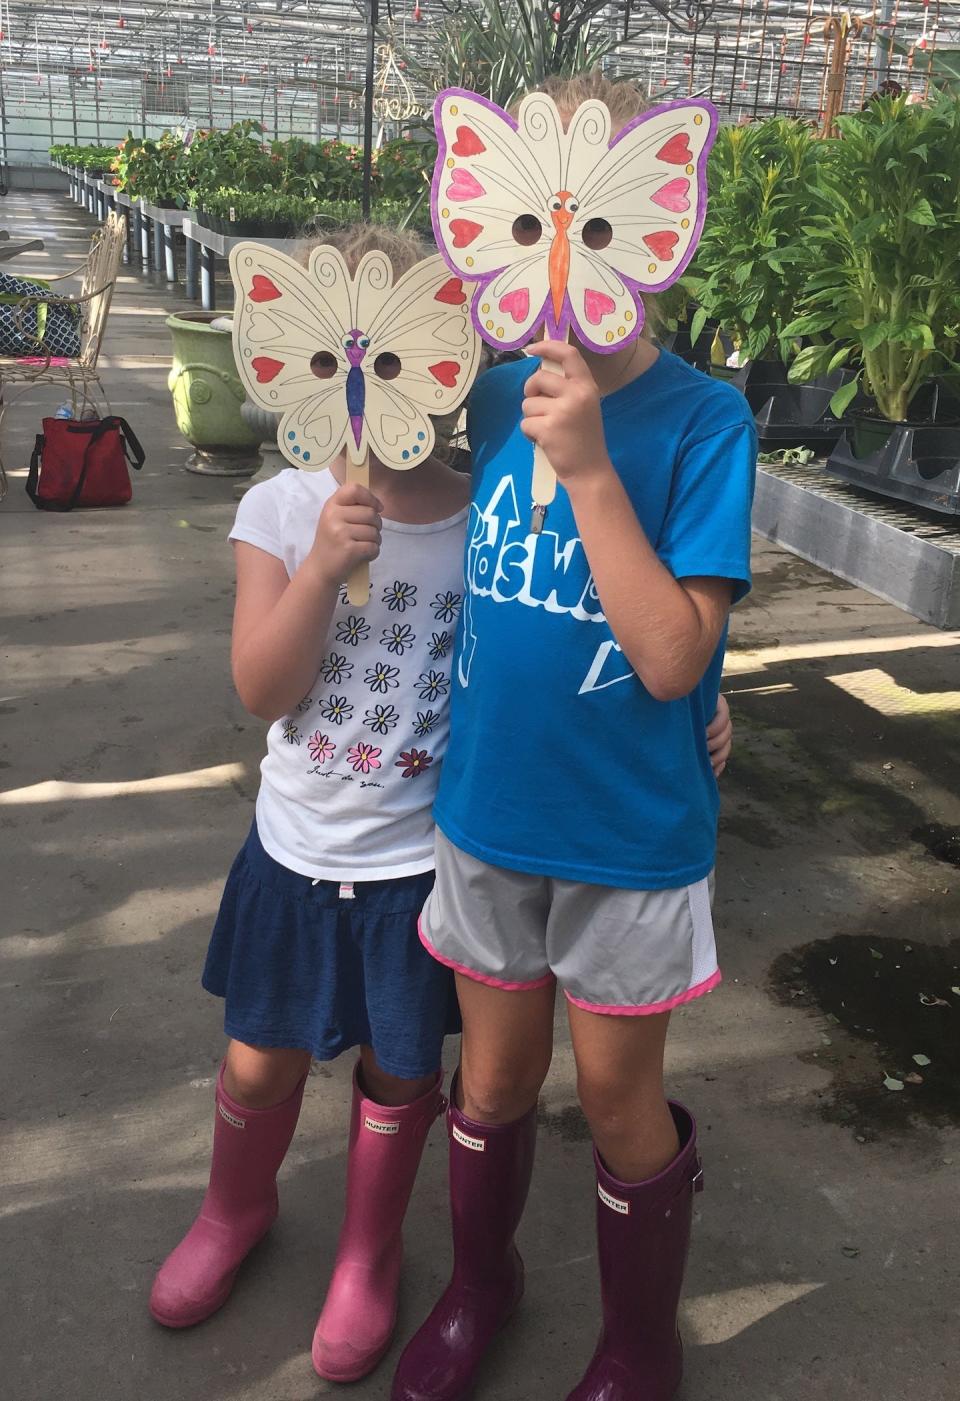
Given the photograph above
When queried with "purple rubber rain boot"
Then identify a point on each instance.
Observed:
(490, 1168)
(239, 1208)
(358, 1318)
(643, 1231)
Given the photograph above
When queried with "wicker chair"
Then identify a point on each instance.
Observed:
(80, 376)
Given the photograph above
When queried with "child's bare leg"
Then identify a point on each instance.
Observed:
(506, 1051)
(390, 1089)
(620, 1084)
(261, 1076)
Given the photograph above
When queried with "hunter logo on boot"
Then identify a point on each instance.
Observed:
(479, 1145)
(614, 1203)
(378, 1125)
(231, 1119)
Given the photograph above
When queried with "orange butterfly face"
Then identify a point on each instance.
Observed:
(565, 229)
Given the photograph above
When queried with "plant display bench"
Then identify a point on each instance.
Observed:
(205, 246)
(907, 556)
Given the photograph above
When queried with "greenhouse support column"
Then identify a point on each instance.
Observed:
(368, 106)
(190, 271)
(170, 251)
(157, 244)
(208, 278)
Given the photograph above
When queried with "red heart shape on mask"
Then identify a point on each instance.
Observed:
(676, 151)
(445, 372)
(451, 292)
(661, 244)
(464, 231)
(266, 368)
(467, 143)
(263, 289)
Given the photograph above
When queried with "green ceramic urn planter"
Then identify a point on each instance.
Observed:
(207, 395)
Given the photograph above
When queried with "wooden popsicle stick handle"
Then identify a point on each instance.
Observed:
(544, 477)
(358, 582)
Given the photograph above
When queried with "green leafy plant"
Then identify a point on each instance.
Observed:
(85, 157)
(752, 261)
(404, 168)
(503, 48)
(152, 170)
(235, 158)
(885, 294)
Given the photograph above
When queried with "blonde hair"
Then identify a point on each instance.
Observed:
(404, 249)
(624, 101)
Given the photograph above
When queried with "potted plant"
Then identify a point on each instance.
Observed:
(152, 170)
(258, 214)
(885, 299)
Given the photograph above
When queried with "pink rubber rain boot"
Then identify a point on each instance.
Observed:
(358, 1318)
(239, 1208)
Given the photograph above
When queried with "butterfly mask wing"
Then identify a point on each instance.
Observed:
(422, 358)
(641, 210)
(566, 228)
(288, 334)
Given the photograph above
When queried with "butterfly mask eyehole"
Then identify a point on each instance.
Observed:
(387, 365)
(323, 365)
(597, 234)
(527, 230)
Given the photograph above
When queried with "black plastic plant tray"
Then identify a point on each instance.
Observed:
(919, 464)
(794, 415)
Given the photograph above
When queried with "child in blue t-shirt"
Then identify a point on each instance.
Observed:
(577, 817)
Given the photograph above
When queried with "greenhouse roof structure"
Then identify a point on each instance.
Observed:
(87, 72)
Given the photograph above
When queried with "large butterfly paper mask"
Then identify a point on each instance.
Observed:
(567, 228)
(357, 362)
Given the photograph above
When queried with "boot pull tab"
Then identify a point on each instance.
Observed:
(696, 1181)
(443, 1104)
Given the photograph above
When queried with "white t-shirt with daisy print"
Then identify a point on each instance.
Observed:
(349, 778)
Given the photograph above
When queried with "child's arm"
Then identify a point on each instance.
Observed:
(667, 629)
(720, 736)
(280, 625)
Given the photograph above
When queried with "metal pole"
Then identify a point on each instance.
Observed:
(368, 107)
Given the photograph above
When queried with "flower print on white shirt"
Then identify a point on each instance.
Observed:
(397, 638)
(446, 606)
(352, 629)
(382, 678)
(399, 596)
(336, 709)
(382, 718)
(335, 669)
(432, 685)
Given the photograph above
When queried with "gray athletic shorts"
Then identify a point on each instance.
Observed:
(623, 952)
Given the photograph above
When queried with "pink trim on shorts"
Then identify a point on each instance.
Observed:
(651, 1008)
(480, 977)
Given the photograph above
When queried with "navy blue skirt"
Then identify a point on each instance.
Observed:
(300, 966)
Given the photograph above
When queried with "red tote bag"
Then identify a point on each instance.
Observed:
(83, 462)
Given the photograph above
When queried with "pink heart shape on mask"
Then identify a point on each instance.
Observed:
(516, 304)
(597, 305)
(463, 185)
(673, 196)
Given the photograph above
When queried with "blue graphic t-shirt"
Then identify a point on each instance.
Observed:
(560, 762)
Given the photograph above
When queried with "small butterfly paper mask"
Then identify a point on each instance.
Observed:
(357, 362)
(567, 228)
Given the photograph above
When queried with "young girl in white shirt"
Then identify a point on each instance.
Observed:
(315, 948)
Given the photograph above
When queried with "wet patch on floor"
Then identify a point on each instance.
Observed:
(941, 842)
(891, 1035)
(568, 1123)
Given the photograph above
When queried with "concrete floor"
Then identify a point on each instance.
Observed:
(825, 1250)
